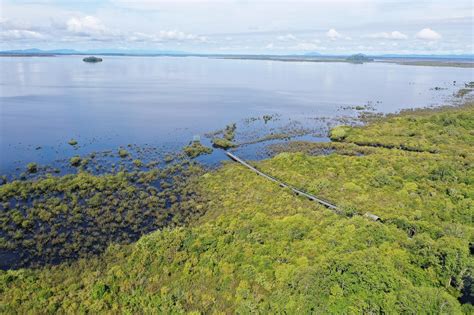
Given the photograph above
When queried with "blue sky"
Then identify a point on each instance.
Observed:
(241, 26)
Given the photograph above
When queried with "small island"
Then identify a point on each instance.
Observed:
(359, 58)
(92, 59)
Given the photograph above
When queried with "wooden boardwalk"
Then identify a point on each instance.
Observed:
(297, 191)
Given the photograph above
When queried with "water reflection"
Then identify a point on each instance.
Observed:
(165, 101)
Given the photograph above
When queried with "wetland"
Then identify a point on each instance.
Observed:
(250, 245)
(103, 182)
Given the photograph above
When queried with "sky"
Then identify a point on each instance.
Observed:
(241, 26)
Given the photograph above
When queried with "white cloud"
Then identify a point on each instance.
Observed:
(286, 38)
(180, 36)
(88, 25)
(165, 36)
(395, 35)
(140, 37)
(428, 34)
(237, 24)
(13, 30)
(92, 27)
(20, 35)
(158, 4)
(333, 34)
(7, 24)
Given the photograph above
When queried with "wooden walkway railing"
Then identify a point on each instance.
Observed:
(297, 191)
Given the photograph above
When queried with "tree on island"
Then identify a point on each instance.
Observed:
(359, 58)
(92, 59)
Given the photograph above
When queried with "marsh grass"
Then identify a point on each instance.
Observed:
(196, 149)
(222, 143)
(75, 161)
(226, 142)
(72, 142)
(123, 153)
(52, 219)
(32, 168)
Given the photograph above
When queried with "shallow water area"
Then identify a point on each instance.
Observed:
(162, 102)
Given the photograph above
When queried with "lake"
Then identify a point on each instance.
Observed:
(165, 101)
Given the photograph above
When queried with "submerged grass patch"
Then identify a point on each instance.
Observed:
(32, 168)
(226, 142)
(75, 161)
(196, 149)
(123, 153)
(72, 142)
(59, 218)
(222, 143)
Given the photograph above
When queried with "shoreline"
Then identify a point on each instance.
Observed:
(408, 61)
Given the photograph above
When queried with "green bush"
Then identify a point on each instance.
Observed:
(196, 149)
(138, 163)
(123, 153)
(75, 161)
(32, 168)
(338, 133)
(222, 143)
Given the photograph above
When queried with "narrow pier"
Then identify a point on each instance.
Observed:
(297, 191)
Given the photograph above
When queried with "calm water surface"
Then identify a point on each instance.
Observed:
(164, 101)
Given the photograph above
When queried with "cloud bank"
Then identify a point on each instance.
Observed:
(241, 26)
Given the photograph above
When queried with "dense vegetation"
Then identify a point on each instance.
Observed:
(260, 249)
(447, 131)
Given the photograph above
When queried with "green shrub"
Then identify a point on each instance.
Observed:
(138, 163)
(100, 290)
(338, 133)
(222, 143)
(196, 149)
(32, 168)
(75, 161)
(123, 153)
